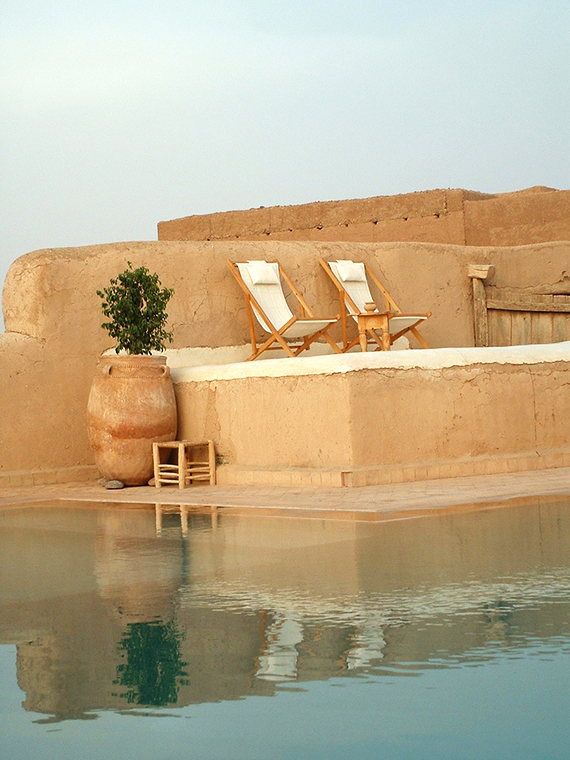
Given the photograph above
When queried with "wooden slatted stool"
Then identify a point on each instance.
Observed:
(195, 463)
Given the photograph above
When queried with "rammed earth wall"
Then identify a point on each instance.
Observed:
(459, 217)
(365, 419)
(53, 339)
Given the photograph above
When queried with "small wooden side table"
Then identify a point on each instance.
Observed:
(195, 462)
(371, 321)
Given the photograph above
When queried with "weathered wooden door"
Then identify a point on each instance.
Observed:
(516, 318)
(510, 317)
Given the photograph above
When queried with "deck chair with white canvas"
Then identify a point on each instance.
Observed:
(379, 328)
(261, 282)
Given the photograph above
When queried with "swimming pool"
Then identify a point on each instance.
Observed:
(262, 637)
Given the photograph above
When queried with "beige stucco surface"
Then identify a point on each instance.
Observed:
(383, 417)
(460, 217)
(53, 339)
(50, 295)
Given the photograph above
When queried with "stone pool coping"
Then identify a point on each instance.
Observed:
(386, 502)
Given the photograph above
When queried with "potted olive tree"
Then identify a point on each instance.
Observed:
(135, 306)
(132, 403)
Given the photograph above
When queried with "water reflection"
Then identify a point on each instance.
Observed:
(151, 667)
(114, 609)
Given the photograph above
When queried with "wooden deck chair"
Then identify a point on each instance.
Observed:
(261, 282)
(351, 279)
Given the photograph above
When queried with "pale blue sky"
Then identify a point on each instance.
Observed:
(119, 115)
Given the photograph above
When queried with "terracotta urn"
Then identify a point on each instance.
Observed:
(131, 404)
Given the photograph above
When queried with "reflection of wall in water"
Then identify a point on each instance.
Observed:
(66, 666)
(461, 582)
(261, 601)
(455, 548)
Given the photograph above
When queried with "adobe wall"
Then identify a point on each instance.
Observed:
(43, 398)
(458, 217)
(435, 216)
(53, 336)
(518, 218)
(383, 417)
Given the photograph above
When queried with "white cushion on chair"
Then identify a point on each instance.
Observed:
(351, 271)
(264, 273)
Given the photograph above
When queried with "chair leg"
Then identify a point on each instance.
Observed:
(266, 345)
(414, 332)
(418, 337)
(312, 338)
(331, 343)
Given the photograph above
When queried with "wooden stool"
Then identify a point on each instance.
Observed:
(195, 462)
(160, 509)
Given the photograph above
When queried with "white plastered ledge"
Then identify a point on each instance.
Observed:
(431, 358)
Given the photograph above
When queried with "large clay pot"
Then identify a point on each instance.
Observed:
(131, 404)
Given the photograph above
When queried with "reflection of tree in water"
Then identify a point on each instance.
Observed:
(497, 617)
(153, 669)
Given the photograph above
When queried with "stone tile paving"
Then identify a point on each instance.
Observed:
(370, 502)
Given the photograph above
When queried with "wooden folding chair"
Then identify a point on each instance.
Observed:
(261, 282)
(379, 328)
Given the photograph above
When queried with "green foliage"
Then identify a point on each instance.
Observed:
(135, 305)
(154, 668)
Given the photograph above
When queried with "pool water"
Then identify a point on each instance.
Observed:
(129, 634)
